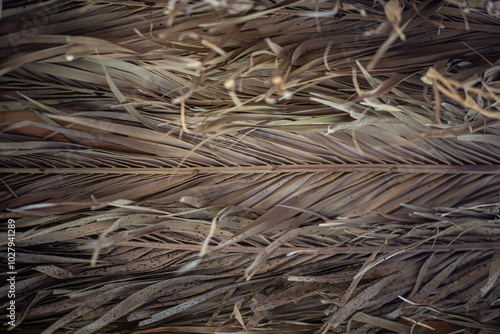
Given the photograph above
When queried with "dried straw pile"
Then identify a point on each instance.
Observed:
(263, 166)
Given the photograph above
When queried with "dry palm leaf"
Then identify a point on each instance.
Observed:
(252, 166)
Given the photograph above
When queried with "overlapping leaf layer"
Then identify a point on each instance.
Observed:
(252, 166)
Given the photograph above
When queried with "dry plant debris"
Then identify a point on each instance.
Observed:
(251, 166)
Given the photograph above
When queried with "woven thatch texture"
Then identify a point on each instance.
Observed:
(260, 166)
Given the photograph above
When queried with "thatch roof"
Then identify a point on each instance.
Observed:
(251, 166)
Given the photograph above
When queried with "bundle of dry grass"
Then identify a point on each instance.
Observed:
(251, 166)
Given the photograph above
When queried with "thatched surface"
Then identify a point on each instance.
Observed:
(252, 166)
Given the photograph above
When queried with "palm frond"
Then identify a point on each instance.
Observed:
(216, 167)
